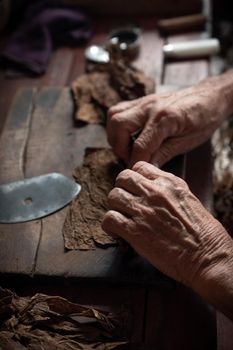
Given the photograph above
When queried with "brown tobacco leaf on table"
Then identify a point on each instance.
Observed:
(93, 95)
(51, 322)
(105, 86)
(129, 81)
(82, 228)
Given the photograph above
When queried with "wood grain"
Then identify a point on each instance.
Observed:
(19, 242)
(185, 72)
(150, 58)
(40, 137)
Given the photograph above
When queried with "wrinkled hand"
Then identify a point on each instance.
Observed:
(170, 124)
(166, 224)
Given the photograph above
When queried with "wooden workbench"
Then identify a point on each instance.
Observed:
(39, 137)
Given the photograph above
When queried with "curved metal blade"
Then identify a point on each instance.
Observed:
(36, 197)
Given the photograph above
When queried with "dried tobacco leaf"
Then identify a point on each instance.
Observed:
(82, 228)
(51, 322)
(107, 85)
(93, 95)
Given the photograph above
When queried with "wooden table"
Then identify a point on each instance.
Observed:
(39, 137)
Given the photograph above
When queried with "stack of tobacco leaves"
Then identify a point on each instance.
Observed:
(223, 174)
(82, 228)
(107, 85)
(53, 323)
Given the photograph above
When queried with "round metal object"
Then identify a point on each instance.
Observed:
(127, 39)
(96, 53)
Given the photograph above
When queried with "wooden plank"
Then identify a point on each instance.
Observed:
(8, 89)
(140, 7)
(150, 58)
(59, 67)
(185, 72)
(57, 74)
(19, 242)
(60, 147)
(54, 145)
(50, 118)
(14, 138)
(66, 158)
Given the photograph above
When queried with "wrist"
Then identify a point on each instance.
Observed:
(214, 281)
(222, 90)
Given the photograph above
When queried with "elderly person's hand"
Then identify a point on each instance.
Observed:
(165, 223)
(169, 124)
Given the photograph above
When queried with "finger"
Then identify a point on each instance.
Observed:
(157, 129)
(149, 139)
(150, 171)
(121, 126)
(121, 146)
(121, 107)
(144, 146)
(117, 224)
(166, 152)
(124, 202)
(132, 182)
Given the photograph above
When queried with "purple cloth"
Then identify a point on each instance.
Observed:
(45, 25)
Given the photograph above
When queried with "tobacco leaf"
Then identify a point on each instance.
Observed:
(82, 228)
(51, 322)
(93, 95)
(106, 85)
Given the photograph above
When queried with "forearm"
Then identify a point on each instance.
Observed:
(216, 284)
(222, 88)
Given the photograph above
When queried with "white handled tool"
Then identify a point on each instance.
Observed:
(192, 48)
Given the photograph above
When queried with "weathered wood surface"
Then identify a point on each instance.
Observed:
(19, 242)
(50, 142)
(54, 144)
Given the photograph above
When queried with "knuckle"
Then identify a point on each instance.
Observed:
(140, 145)
(113, 194)
(172, 183)
(139, 166)
(115, 120)
(124, 175)
(108, 220)
(112, 110)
